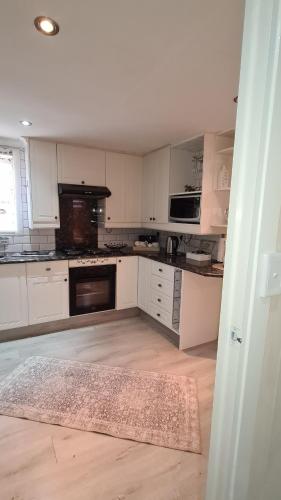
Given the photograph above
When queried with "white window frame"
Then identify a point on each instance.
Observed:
(16, 161)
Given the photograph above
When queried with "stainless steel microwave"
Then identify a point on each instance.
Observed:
(185, 207)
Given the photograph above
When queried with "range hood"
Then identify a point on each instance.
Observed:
(97, 192)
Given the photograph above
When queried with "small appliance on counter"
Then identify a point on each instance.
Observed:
(198, 258)
(144, 246)
(172, 244)
(147, 243)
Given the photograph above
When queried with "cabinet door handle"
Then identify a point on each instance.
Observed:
(48, 269)
(119, 260)
(65, 279)
(159, 284)
(108, 218)
(153, 218)
(82, 182)
(159, 300)
(56, 217)
(158, 314)
(150, 218)
(160, 270)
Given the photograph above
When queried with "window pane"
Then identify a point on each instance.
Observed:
(8, 206)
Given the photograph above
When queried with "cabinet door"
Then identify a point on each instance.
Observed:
(77, 165)
(42, 184)
(13, 293)
(161, 183)
(133, 182)
(144, 286)
(47, 298)
(115, 181)
(148, 188)
(127, 282)
(124, 179)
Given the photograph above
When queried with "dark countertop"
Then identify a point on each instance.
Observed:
(178, 261)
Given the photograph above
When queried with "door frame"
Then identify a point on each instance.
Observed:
(254, 221)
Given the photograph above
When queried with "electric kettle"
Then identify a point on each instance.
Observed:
(172, 245)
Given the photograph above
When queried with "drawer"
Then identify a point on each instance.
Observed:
(163, 301)
(163, 271)
(47, 268)
(162, 285)
(162, 316)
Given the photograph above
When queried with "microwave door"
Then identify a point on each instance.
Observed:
(185, 209)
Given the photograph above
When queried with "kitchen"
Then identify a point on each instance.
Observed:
(111, 191)
(115, 184)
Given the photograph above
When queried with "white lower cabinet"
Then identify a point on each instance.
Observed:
(13, 293)
(159, 292)
(48, 291)
(127, 282)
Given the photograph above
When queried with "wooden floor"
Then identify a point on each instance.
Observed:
(47, 462)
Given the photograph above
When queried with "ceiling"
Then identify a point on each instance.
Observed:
(125, 75)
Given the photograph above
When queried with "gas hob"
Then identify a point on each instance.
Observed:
(92, 261)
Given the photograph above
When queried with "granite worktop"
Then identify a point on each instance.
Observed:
(178, 261)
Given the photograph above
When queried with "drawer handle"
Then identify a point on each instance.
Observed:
(65, 279)
(119, 260)
(159, 300)
(48, 269)
(160, 270)
(159, 284)
(158, 314)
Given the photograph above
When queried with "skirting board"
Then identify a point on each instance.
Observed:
(67, 324)
(164, 330)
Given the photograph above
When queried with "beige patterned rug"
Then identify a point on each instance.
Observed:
(149, 407)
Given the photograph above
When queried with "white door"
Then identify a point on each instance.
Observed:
(42, 184)
(79, 165)
(148, 188)
(127, 282)
(13, 293)
(116, 183)
(161, 185)
(47, 298)
(144, 284)
(124, 180)
(48, 291)
(133, 198)
(245, 456)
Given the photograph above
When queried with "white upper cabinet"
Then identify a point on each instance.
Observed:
(156, 178)
(127, 282)
(124, 180)
(79, 165)
(42, 178)
(13, 293)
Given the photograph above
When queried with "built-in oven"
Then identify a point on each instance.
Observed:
(91, 285)
(185, 207)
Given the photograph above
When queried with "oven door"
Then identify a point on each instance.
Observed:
(185, 208)
(91, 289)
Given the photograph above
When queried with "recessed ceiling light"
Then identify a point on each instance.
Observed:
(46, 25)
(25, 123)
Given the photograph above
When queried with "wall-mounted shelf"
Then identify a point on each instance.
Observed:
(226, 151)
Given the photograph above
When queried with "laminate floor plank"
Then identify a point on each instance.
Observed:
(47, 462)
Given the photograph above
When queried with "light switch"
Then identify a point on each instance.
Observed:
(270, 274)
